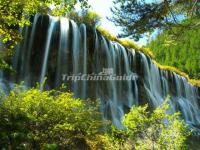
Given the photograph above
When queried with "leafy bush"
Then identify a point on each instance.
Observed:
(48, 119)
(158, 130)
(35, 119)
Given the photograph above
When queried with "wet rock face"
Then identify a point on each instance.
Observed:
(144, 98)
(53, 47)
(198, 99)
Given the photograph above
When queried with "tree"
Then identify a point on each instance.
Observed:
(87, 17)
(183, 53)
(137, 17)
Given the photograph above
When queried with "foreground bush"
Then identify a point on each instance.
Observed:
(47, 120)
(35, 119)
(157, 130)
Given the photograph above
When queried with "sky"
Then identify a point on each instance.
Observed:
(102, 7)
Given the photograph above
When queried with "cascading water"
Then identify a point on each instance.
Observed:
(47, 48)
(84, 58)
(60, 47)
(62, 51)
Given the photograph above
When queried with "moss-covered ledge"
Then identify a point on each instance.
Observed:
(129, 44)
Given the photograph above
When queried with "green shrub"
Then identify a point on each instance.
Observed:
(34, 119)
(157, 130)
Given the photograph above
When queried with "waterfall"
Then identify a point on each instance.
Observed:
(84, 53)
(75, 55)
(46, 52)
(76, 50)
(25, 69)
(63, 51)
